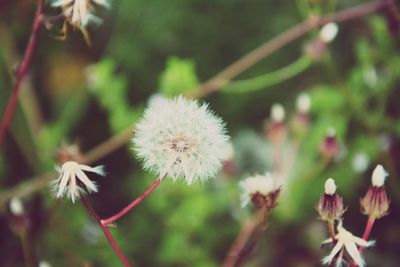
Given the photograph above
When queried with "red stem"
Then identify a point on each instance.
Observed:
(22, 71)
(121, 213)
(367, 231)
(106, 233)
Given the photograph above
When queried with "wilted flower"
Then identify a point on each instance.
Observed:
(376, 203)
(79, 13)
(345, 239)
(330, 206)
(68, 183)
(261, 190)
(181, 138)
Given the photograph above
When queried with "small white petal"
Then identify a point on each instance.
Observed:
(361, 242)
(63, 183)
(378, 176)
(85, 180)
(328, 259)
(44, 264)
(329, 32)
(98, 169)
(330, 187)
(351, 248)
(277, 112)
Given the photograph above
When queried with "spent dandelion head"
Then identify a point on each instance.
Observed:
(181, 138)
(72, 178)
(79, 13)
(261, 190)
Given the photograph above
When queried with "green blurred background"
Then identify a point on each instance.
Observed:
(75, 94)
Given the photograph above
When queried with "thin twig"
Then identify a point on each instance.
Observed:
(212, 84)
(22, 71)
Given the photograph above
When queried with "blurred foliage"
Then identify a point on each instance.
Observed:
(86, 95)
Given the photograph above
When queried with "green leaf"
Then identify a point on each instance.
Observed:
(178, 77)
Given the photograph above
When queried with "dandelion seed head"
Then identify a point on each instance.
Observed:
(181, 138)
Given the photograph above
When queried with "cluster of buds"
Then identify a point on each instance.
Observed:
(376, 203)
(276, 129)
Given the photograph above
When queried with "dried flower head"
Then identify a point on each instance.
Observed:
(181, 138)
(346, 240)
(376, 203)
(261, 190)
(79, 13)
(330, 206)
(71, 179)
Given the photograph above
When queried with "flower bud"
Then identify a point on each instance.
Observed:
(329, 148)
(376, 203)
(301, 119)
(330, 206)
(276, 128)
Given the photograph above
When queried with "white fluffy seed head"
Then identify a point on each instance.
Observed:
(262, 184)
(181, 138)
(330, 186)
(329, 32)
(277, 112)
(303, 103)
(378, 176)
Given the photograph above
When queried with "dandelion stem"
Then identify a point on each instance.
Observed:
(235, 255)
(107, 233)
(22, 71)
(367, 232)
(133, 204)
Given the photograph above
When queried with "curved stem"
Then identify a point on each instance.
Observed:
(269, 79)
(133, 204)
(22, 71)
(106, 233)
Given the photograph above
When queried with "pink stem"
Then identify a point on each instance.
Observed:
(365, 236)
(22, 70)
(367, 231)
(121, 213)
(106, 233)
